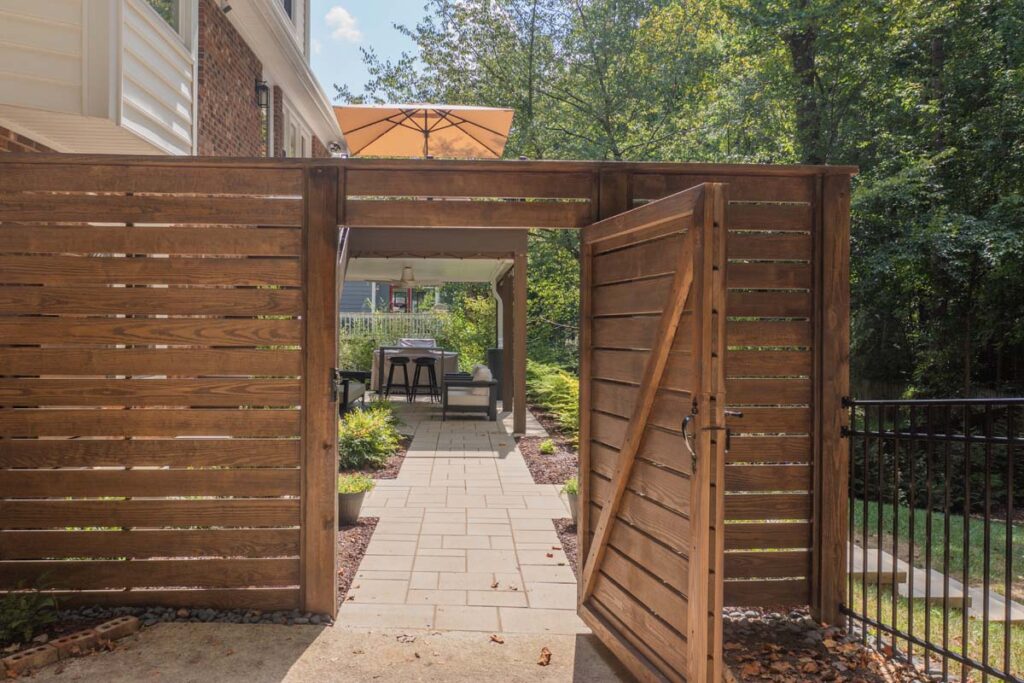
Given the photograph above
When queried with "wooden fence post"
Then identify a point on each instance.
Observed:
(831, 479)
(320, 234)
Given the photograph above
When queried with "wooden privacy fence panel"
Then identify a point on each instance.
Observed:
(649, 584)
(771, 371)
(151, 378)
(384, 194)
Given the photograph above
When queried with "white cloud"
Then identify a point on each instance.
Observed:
(343, 25)
(316, 45)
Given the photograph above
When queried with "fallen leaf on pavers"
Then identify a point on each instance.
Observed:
(497, 639)
(556, 547)
(494, 584)
(545, 657)
(406, 638)
(514, 588)
(417, 654)
(359, 652)
(548, 555)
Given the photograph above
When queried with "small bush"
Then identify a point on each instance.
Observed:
(23, 614)
(366, 439)
(547, 447)
(571, 486)
(557, 391)
(355, 483)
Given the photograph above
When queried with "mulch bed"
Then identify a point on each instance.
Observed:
(764, 645)
(67, 622)
(548, 469)
(394, 463)
(352, 542)
(566, 529)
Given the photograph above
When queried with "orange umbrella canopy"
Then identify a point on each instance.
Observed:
(421, 130)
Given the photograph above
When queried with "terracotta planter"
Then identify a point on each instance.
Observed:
(573, 505)
(349, 505)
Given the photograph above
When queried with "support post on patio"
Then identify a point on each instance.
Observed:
(318, 573)
(507, 370)
(519, 343)
(832, 471)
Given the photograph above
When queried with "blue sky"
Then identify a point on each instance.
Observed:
(339, 29)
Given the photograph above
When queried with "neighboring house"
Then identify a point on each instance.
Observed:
(182, 77)
(361, 296)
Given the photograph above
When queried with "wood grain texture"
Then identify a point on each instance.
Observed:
(149, 453)
(636, 657)
(139, 543)
(61, 514)
(768, 478)
(133, 176)
(91, 300)
(413, 183)
(406, 213)
(176, 362)
(149, 209)
(767, 216)
(75, 483)
(755, 565)
(152, 422)
(171, 331)
(82, 270)
(775, 506)
(216, 598)
(783, 593)
(177, 239)
(150, 392)
(205, 573)
(760, 535)
(760, 246)
(319, 559)
(743, 187)
(832, 483)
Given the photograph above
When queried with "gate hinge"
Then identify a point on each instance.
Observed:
(845, 432)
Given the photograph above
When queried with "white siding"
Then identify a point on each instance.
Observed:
(157, 82)
(41, 54)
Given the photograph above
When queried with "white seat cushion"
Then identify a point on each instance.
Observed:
(481, 373)
(464, 396)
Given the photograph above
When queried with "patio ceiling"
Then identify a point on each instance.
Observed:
(427, 271)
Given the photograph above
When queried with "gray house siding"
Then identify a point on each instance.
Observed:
(355, 297)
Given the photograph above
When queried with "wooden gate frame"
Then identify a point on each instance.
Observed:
(700, 277)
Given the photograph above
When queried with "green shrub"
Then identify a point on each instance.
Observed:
(571, 486)
(366, 438)
(23, 614)
(547, 447)
(355, 483)
(556, 391)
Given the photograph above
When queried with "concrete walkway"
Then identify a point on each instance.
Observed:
(465, 540)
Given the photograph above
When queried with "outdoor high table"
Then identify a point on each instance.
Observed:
(447, 362)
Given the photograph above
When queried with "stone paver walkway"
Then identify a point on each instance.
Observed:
(465, 540)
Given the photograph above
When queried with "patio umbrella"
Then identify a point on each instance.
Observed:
(423, 130)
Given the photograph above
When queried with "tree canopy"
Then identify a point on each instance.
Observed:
(927, 98)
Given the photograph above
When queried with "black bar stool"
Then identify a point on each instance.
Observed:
(428, 364)
(403, 362)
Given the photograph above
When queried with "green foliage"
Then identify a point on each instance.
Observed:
(556, 391)
(355, 483)
(571, 486)
(366, 438)
(926, 98)
(23, 613)
(469, 325)
(547, 447)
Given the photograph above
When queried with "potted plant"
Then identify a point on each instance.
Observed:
(571, 489)
(351, 490)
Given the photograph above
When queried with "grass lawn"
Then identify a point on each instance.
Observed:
(975, 551)
(975, 632)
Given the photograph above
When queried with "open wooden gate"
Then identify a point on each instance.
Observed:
(652, 351)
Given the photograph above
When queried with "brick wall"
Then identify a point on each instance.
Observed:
(229, 118)
(278, 105)
(319, 151)
(12, 142)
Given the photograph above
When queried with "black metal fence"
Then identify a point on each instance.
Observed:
(934, 566)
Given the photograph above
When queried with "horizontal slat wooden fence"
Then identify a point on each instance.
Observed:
(151, 383)
(771, 376)
(148, 304)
